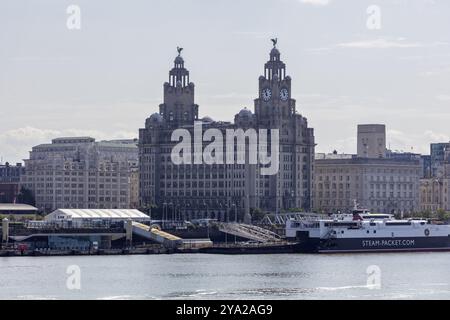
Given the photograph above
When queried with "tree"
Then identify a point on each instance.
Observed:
(426, 214)
(257, 214)
(25, 196)
(442, 214)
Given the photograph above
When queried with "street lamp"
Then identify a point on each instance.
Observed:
(184, 213)
(226, 221)
(164, 215)
(235, 212)
(235, 218)
(171, 212)
(207, 219)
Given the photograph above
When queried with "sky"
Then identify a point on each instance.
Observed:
(350, 63)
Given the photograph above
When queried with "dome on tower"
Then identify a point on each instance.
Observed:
(207, 119)
(179, 60)
(156, 117)
(274, 51)
(245, 113)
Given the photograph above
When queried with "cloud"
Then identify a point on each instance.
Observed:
(15, 144)
(415, 142)
(443, 97)
(316, 2)
(254, 34)
(383, 43)
(378, 44)
(436, 136)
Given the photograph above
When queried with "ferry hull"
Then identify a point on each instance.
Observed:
(365, 245)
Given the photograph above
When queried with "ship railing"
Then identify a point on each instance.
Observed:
(330, 234)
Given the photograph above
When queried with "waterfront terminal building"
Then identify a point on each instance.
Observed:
(214, 190)
(79, 172)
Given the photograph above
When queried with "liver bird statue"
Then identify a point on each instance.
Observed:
(275, 41)
(179, 49)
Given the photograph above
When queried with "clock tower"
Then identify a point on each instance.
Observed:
(275, 108)
(274, 104)
(179, 107)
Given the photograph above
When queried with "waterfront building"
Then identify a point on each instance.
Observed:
(9, 182)
(407, 156)
(437, 155)
(9, 191)
(11, 209)
(80, 217)
(434, 189)
(134, 187)
(215, 190)
(377, 182)
(427, 172)
(333, 155)
(371, 141)
(431, 194)
(79, 172)
(446, 179)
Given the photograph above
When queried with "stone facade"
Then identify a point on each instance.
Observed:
(435, 190)
(81, 173)
(437, 155)
(371, 141)
(134, 187)
(202, 190)
(431, 194)
(380, 185)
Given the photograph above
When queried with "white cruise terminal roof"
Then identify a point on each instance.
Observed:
(62, 214)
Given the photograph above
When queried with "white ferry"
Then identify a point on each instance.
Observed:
(366, 232)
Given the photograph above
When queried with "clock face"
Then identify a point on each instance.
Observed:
(266, 94)
(284, 94)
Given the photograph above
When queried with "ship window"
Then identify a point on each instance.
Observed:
(368, 231)
(342, 231)
(374, 231)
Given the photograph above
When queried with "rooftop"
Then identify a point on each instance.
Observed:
(369, 161)
(16, 207)
(97, 214)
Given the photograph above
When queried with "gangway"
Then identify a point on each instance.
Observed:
(166, 239)
(250, 232)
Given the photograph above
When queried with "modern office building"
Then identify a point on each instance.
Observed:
(79, 172)
(9, 182)
(201, 189)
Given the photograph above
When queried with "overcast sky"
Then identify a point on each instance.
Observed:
(106, 78)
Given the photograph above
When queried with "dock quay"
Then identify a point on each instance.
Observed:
(251, 248)
(155, 249)
(71, 232)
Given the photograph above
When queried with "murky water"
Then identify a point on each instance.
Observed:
(201, 276)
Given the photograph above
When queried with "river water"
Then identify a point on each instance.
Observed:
(204, 276)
